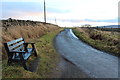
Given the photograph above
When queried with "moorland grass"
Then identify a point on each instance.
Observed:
(103, 40)
(48, 60)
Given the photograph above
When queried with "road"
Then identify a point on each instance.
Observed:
(95, 63)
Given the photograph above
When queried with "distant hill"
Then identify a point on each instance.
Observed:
(110, 26)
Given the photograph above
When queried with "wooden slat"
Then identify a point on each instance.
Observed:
(15, 56)
(14, 41)
(26, 56)
(16, 45)
(17, 49)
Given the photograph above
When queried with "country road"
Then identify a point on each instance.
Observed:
(94, 63)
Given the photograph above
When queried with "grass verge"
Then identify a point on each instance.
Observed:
(102, 40)
(48, 60)
(49, 57)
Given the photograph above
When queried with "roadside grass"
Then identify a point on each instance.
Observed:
(16, 71)
(29, 30)
(48, 56)
(48, 60)
(103, 40)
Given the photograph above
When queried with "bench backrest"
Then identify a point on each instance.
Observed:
(15, 45)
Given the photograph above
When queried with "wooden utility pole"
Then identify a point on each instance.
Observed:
(55, 21)
(44, 11)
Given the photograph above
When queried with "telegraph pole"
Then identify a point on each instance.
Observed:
(55, 21)
(44, 11)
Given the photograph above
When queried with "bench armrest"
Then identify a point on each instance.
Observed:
(29, 43)
(26, 45)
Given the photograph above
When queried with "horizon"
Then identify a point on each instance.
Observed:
(95, 13)
(62, 26)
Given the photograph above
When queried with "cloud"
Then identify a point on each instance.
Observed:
(37, 16)
(67, 12)
(22, 6)
(108, 20)
(21, 1)
(71, 24)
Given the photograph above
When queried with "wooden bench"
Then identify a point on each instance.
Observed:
(17, 50)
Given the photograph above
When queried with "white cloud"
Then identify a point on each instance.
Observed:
(20, 0)
(77, 10)
(73, 24)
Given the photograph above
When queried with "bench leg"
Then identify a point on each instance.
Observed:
(34, 49)
(23, 62)
(9, 62)
(24, 65)
(35, 53)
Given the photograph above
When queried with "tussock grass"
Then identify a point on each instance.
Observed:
(49, 57)
(16, 71)
(48, 60)
(102, 40)
(40, 33)
(29, 30)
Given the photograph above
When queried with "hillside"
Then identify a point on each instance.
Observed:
(110, 26)
(29, 30)
(14, 28)
(32, 31)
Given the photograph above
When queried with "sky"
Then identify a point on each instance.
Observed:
(65, 13)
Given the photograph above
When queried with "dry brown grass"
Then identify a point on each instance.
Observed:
(40, 33)
(103, 40)
(29, 30)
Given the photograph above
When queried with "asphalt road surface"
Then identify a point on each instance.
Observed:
(93, 62)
